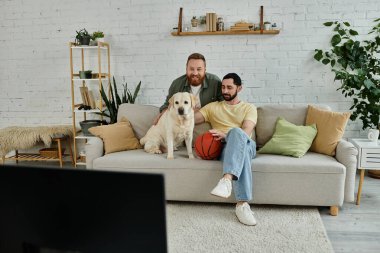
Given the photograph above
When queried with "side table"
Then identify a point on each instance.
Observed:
(368, 159)
(37, 157)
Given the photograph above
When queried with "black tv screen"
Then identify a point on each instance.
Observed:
(81, 211)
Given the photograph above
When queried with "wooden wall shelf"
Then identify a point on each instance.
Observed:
(228, 32)
(258, 32)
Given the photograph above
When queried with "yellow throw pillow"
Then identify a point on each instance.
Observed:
(330, 126)
(117, 137)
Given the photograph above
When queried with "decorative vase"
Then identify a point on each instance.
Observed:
(194, 22)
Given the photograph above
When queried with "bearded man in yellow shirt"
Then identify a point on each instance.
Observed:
(232, 122)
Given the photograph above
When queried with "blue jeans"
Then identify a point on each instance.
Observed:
(237, 156)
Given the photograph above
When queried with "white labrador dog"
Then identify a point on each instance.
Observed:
(174, 126)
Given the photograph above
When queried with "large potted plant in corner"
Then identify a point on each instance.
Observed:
(113, 103)
(356, 64)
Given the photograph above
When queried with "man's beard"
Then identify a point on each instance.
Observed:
(228, 97)
(195, 81)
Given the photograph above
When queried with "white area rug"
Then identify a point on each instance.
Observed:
(200, 227)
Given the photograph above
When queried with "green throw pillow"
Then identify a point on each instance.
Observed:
(289, 139)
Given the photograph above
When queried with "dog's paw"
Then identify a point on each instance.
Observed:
(191, 156)
(170, 157)
(157, 151)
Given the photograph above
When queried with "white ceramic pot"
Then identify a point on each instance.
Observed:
(99, 39)
(373, 135)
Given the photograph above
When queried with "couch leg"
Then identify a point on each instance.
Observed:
(334, 210)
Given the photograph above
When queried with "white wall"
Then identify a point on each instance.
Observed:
(34, 36)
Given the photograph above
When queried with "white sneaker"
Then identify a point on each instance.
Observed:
(223, 188)
(245, 214)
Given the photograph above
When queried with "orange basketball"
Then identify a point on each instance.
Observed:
(207, 147)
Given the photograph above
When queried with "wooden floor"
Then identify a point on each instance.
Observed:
(355, 229)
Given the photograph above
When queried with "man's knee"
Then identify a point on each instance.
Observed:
(236, 131)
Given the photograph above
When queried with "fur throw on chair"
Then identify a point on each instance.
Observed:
(15, 137)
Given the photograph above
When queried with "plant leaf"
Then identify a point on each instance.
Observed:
(346, 24)
(325, 61)
(318, 56)
(118, 101)
(341, 32)
(328, 23)
(335, 40)
(137, 89)
(353, 32)
(369, 84)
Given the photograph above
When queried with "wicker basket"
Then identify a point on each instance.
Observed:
(50, 152)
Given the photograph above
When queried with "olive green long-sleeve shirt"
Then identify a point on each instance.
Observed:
(211, 89)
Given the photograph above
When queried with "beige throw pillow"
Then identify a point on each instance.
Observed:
(330, 126)
(117, 137)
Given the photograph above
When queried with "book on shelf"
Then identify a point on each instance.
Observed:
(207, 22)
(243, 24)
(214, 22)
(210, 22)
(91, 99)
(88, 97)
(232, 28)
(83, 95)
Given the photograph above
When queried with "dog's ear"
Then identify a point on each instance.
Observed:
(193, 100)
(171, 102)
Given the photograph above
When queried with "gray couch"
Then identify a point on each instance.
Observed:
(314, 179)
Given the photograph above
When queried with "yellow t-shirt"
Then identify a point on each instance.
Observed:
(223, 116)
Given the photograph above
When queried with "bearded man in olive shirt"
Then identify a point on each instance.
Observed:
(205, 86)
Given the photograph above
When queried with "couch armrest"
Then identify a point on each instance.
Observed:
(346, 154)
(94, 149)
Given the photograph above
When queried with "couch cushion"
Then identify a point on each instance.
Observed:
(290, 139)
(330, 127)
(139, 159)
(140, 116)
(310, 163)
(267, 116)
(117, 137)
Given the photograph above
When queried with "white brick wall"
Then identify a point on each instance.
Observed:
(34, 36)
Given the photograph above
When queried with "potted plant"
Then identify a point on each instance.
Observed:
(85, 74)
(83, 37)
(267, 25)
(114, 101)
(98, 36)
(356, 64)
(194, 21)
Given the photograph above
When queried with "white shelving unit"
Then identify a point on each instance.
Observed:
(102, 52)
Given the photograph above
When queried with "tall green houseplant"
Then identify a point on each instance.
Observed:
(356, 65)
(113, 102)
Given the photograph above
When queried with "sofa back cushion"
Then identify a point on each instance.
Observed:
(267, 116)
(140, 116)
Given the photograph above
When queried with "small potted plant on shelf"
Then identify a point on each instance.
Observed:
(83, 37)
(267, 25)
(194, 21)
(85, 74)
(98, 36)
